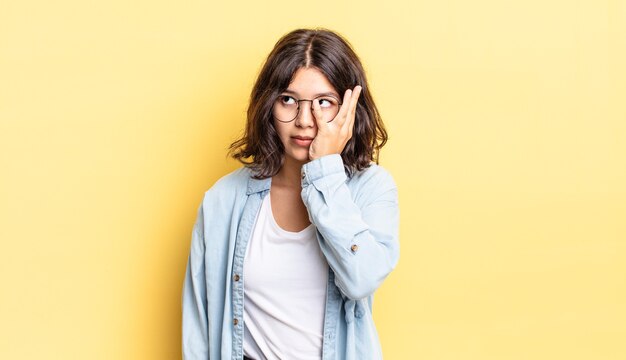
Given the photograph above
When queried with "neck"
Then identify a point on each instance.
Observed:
(289, 173)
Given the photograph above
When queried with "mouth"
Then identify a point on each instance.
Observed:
(302, 140)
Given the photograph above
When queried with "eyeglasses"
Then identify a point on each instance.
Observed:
(286, 108)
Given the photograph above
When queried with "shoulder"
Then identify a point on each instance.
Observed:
(229, 187)
(374, 177)
(373, 184)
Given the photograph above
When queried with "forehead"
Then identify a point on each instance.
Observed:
(310, 82)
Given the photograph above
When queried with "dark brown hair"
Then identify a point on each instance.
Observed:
(260, 147)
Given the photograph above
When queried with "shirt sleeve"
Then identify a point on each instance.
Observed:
(195, 343)
(360, 242)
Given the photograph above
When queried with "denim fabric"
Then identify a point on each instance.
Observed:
(357, 220)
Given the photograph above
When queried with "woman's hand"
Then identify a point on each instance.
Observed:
(333, 136)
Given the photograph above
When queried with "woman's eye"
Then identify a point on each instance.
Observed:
(287, 100)
(326, 102)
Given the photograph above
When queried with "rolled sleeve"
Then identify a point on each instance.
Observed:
(359, 241)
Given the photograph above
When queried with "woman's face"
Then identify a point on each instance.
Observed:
(297, 135)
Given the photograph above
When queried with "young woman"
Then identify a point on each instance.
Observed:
(288, 250)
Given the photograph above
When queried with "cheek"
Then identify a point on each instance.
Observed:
(281, 131)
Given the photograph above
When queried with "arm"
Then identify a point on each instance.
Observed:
(360, 243)
(194, 298)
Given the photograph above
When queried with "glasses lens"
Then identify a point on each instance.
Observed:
(329, 106)
(285, 108)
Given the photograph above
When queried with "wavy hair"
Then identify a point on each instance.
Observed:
(260, 148)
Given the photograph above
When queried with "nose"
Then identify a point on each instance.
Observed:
(305, 116)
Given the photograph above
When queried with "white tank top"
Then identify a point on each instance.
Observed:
(285, 278)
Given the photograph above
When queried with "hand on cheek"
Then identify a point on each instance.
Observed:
(333, 136)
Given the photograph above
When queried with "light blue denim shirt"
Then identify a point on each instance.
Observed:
(357, 223)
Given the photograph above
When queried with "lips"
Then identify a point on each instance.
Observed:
(302, 140)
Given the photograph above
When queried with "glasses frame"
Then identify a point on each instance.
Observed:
(298, 102)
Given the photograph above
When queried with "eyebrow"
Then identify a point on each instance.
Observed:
(331, 93)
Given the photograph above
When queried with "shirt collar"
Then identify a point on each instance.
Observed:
(258, 185)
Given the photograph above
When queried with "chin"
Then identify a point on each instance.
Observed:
(300, 156)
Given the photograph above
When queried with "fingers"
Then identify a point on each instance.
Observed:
(332, 136)
(343, 111)
(351, 115)
(317, 112)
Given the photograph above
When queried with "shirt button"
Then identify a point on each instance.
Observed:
(236, 277)
(235, 322)
(303, 175)
(354, 247)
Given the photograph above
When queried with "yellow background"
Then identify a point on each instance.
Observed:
(507, 124)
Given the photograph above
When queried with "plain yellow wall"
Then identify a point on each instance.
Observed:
(507, 124)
